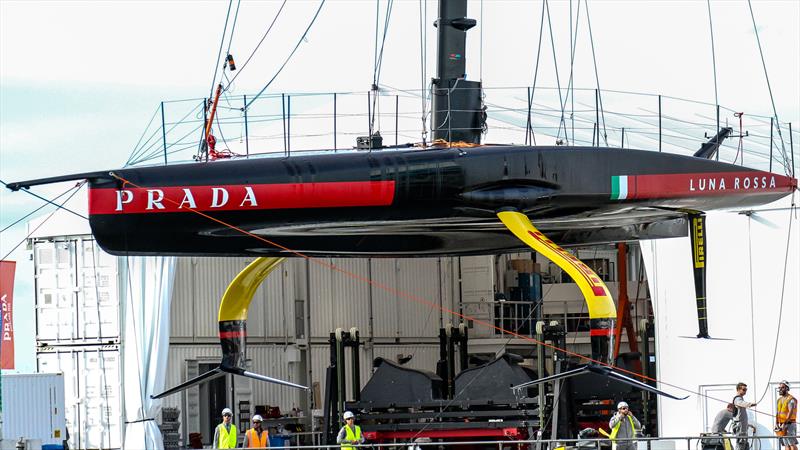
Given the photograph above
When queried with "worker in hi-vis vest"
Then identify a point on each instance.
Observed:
(256, 437)
(350, 432)
(623, 426)
(225, 433)
(786, 417)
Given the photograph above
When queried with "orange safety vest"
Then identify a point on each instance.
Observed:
(784, 415)
(254, 441)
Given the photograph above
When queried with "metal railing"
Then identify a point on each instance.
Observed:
(279, 124)
(762, 442)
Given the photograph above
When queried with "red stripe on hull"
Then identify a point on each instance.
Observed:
(707, 184)
(240, 197)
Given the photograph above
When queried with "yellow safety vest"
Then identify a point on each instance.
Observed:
(351, 436)
(615, 430)
(226, 439)
(254, 441)
(784, 415)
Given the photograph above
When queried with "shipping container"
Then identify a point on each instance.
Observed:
(92, 395)
(33, 408)
(77, 299)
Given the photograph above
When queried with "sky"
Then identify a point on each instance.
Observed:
(79, 80)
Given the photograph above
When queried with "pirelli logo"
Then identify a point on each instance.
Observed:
(699, 242)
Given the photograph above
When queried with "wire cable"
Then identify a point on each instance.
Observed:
(136, 147)
(28, 191)
(299, 41)
(538, 55)
(233, 27)
(76, 188)
(786, 161)
(35, 210)
(555, 65)
(597, 78)
(783, 290)
(219, 52)
(423, 56)
(274, 19)
(713, 58)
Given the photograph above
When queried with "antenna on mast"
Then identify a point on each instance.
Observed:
(458, 112)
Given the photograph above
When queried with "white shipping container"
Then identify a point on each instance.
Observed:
(92, 393)
(33, 407)
(77, 297)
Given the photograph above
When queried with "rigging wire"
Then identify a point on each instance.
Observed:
(423, 56)
(299, 41)
(219, 52)
(136, 147)
(154, 151)
(597, 78)
(233, 28)
(75, 190)
(573, 37)
(28, 191)
(538, 55)
(274, 19)
(713, 58)
(417, 299)
(378, 62)
(786, 161)
(570, 84)
(35, 210)
(792, 211)
(555, 64)
(480, 59)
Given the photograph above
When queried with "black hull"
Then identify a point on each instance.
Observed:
(414, 202)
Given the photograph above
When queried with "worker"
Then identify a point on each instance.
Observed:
(256, 437)
(740, 419)
(786, 417)
(350, 432)
(624, 426)
(722, 419)
(225, 433)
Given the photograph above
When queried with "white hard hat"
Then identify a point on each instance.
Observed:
(227, 411)
(785, 383)
(622, 405)
(257, 418)
(348, 414)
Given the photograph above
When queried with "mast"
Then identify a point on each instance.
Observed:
(458, 113)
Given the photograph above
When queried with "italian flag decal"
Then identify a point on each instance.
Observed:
(619, 187)
(689, 185)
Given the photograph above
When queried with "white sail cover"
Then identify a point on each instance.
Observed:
(146, 293)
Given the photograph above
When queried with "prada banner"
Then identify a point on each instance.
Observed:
(7, 303)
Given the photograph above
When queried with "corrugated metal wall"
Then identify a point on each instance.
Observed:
(199, 285)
